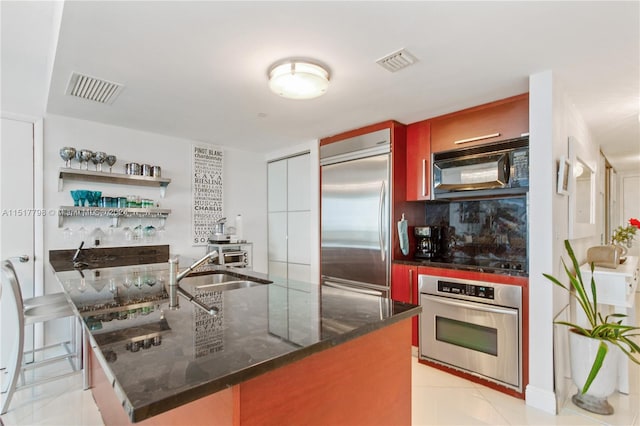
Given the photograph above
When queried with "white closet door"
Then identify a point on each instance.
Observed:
(289, 217)
(278, 269)
(298, 181)
(298, 240)
(277, 186)
(278, 236)
(299, 272)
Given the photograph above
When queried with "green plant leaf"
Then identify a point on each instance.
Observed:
(597, 364)
(609, 328)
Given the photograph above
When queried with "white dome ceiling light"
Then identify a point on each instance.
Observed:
(298, 79)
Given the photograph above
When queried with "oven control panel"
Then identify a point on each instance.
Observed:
(480, 291)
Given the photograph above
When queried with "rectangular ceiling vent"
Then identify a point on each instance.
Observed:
(397, 60)
(93, 89)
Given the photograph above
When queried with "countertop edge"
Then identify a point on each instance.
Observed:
(190, 395)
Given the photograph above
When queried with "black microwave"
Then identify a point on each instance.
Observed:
(487, 170)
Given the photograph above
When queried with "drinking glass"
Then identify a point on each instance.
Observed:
(110, 160)
(67, 153)
(96, 197)
(98, 158)
(76, 197)
(84, 155)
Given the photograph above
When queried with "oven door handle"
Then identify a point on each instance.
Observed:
(232, 253)
(473, 305)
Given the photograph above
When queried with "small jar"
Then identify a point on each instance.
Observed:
(146, 170)
(104, 202)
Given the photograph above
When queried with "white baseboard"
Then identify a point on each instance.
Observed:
(541, 399)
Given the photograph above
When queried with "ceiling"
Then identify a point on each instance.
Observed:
(197, 70)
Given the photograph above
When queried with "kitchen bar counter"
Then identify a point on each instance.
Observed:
(157, 359)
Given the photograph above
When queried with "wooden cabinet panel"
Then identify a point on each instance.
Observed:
(418, 161)
(496, 121)
(404, 288)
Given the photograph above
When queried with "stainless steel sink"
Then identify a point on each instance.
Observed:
(230, 285)
(219, 282)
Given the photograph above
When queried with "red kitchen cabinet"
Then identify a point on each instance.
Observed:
(418, 161)
(404, 288)
(496, 121)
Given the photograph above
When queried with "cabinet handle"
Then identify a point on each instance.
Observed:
(424, 177)
(411, 286)
(477, 138)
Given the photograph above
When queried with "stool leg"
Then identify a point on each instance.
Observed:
(14, 368)
(86, 359)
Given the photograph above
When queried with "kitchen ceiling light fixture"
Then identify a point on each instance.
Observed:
(298, 79)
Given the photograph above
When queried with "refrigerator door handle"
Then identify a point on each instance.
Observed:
(353, 289)
(380, 222)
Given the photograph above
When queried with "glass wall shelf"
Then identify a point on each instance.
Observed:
(117, 178)
(111, 212)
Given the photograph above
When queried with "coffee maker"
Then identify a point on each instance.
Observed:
(429, 241)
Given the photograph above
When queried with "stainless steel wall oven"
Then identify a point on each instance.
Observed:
(473, 326)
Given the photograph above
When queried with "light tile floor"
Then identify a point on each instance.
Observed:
(437, 398)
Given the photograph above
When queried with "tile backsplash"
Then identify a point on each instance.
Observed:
(483, 229)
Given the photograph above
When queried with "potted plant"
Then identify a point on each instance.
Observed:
(589, 344)
(624, 235)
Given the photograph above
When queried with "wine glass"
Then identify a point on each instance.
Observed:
(67, 153)
(84, 155)
(98, 158)
(111, 160)
(76, 195)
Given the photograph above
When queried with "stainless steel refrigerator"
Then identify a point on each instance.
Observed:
(355, 219)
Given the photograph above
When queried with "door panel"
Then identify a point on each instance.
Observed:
(298, 240)
(17, 215)
(298, 183)
(278, 236)
(277, 186)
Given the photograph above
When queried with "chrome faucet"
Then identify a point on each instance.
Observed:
(77, 264)
(175, 289)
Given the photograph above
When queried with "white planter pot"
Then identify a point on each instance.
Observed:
(583, 352)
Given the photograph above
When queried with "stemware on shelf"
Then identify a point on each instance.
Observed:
(110, 160)
(77, 196)
(98, 158)
(67, 153)
(83, 156)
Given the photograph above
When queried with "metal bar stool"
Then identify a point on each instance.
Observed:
(31, 311)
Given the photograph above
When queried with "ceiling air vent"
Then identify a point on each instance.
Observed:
(93, 89)
(397, 60)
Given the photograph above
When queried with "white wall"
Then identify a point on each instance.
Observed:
(244, 184)
(553, 118)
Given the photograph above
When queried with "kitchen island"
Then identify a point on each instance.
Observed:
(277, 353)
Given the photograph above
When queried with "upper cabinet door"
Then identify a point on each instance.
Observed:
(493, 122)
(299, 183)
(277, 186)
(418, 161)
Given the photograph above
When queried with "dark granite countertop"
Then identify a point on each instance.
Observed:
(159, 359)
(460, 267)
